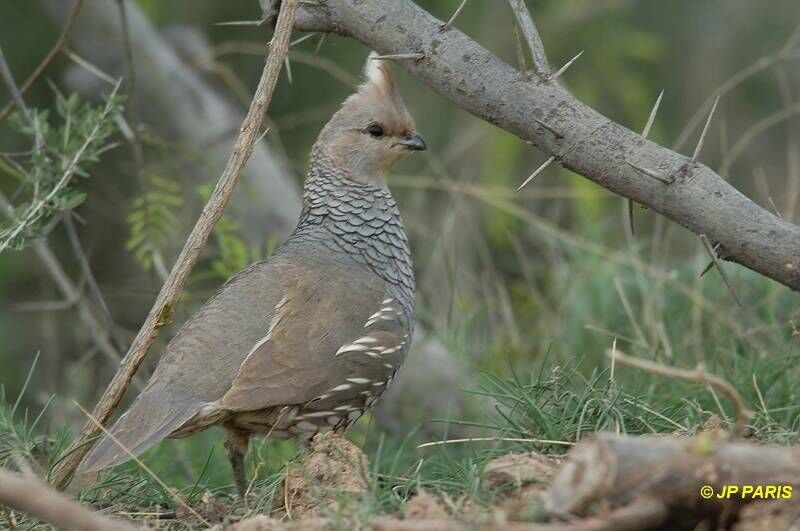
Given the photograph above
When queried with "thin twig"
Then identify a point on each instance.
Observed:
(531, 34)
(449, 23)
(172, 288)
(16, 96)
(742, 414)
(645, 133)
(94, 289)
(539, 170)
(715, 258)
(702, 138)
(80, 61)
(55, 50)
(567, 65)
(490, 439)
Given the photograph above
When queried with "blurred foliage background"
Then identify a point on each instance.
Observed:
(536, 281)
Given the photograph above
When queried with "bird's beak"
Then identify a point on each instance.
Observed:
(413, 142)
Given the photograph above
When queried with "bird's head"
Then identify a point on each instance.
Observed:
(373, 129)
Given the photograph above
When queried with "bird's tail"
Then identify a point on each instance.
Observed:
(149, 420)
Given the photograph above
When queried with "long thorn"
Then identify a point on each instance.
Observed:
(539, 170)
(652, 117)
(261, 137)
(715, 258)
(260, 22)
(320, 43)
(452, 19)
(288, 69)
(631, 223)
(645, 134)
(705, 130)
(567, 64)
(650, 173)
(300, 39)
(706, 269)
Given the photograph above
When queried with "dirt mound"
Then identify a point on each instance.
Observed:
(333, 471)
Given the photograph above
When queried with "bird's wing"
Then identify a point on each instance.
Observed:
(197, 367)
(333, 323)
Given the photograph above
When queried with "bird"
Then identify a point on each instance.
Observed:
(309, 339)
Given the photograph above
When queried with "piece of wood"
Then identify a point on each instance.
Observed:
(37, 499)
(614, 472)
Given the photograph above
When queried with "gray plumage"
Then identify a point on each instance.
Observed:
(307, 340)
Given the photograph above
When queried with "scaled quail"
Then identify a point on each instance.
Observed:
(307, 340)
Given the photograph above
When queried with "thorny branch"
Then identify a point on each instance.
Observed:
(590, 144)
(171, 290)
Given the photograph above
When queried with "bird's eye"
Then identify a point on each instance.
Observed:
(375, 130)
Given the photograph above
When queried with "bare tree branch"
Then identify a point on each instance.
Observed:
(594, 146)
(168, 296)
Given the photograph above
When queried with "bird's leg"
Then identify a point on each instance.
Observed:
(236, 443)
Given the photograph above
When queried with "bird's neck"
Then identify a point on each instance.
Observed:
(357, 220)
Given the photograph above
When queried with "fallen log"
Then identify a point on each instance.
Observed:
(685, 480)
